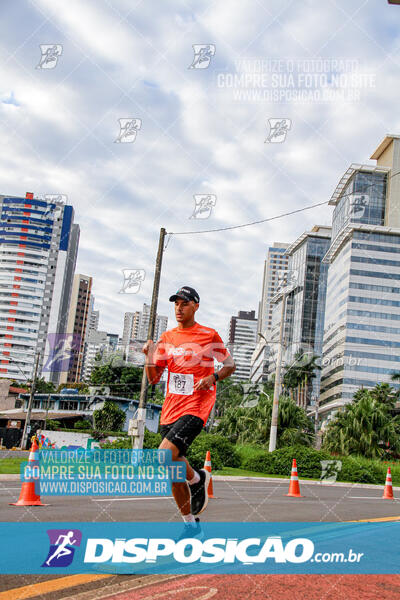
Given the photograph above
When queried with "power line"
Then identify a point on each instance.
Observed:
(278, 216)
(253, 222)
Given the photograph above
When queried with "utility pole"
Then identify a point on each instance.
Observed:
(47, 411)
(27, 427)
(277, 384)
(136, 428)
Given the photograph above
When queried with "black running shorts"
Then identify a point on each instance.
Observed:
(182, 432)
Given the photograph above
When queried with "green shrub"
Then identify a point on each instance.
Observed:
(151, 441)
(223, 452)
(261, 463)
(279, 462)
(361, 470)
(82, 425)
(53, 425)
(357, 469)
(121, 443)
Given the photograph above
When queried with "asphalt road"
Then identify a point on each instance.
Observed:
(238, 500)
(245, 500)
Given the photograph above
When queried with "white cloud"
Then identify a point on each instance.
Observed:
(195, 138)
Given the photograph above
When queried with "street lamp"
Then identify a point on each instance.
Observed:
(288, 284)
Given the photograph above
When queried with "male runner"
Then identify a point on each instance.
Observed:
(188, 352)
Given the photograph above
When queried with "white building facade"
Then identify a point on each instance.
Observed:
(242, 343)
(361, 344)
(275, 263)
(38, 249)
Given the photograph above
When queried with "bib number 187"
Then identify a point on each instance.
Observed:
(181, 383)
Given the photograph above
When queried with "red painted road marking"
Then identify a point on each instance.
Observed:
(269, 587)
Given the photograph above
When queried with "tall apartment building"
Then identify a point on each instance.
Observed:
(128, 328)
(276, 261)
(78, 316)
(242, 342)
(93, 316)
(38, 249)
(96, 343)
(362, 319)
(136, 325)
(306, 303)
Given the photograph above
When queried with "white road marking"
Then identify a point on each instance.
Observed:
(136, 498)
(368, 497)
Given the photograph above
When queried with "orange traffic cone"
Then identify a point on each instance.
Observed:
(294, 487)
(207, 467)
(388, 491)
(28, 496)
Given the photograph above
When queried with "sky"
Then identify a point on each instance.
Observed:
(256, 108)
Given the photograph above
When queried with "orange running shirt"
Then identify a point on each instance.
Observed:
(189, 356)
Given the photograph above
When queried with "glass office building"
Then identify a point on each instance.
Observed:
(306, 303)
(361, 345)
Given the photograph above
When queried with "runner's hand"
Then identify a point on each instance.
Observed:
(148, 348)
(205, 383)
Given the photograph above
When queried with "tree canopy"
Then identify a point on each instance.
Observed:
(366, 426)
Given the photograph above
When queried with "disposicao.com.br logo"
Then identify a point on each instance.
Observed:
(62, 547)
(247, 551)
(225, 547)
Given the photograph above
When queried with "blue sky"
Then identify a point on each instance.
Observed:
(125, 59)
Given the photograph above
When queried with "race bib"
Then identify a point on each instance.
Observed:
(181, 383)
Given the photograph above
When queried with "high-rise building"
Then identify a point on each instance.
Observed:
(96, 344)
(128, 327)
(93, 317)
(78, 324)
(136, 325)
(362, 318)
(242, 342)
(38, 249)
(276, 261)
(306, 304)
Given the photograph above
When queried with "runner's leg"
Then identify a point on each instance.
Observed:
(180, 489)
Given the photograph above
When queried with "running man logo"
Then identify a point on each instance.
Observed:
(203, 205)
(62, 547)
(358, 204)
(203, 54)
(50, 55)
(128, 129)
(278, 129)
(330, 470)
(287, 279)
(132, 280)
(62, 349)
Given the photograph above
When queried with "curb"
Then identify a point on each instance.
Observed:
(371, 486)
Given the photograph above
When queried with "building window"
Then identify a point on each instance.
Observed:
(68, 405)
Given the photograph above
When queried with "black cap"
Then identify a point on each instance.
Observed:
(186, 293)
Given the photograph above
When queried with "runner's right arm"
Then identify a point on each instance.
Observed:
(153, 371)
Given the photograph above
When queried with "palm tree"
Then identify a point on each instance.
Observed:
(384, 393)
(362, 427)
(299, 374)
(252, 425)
